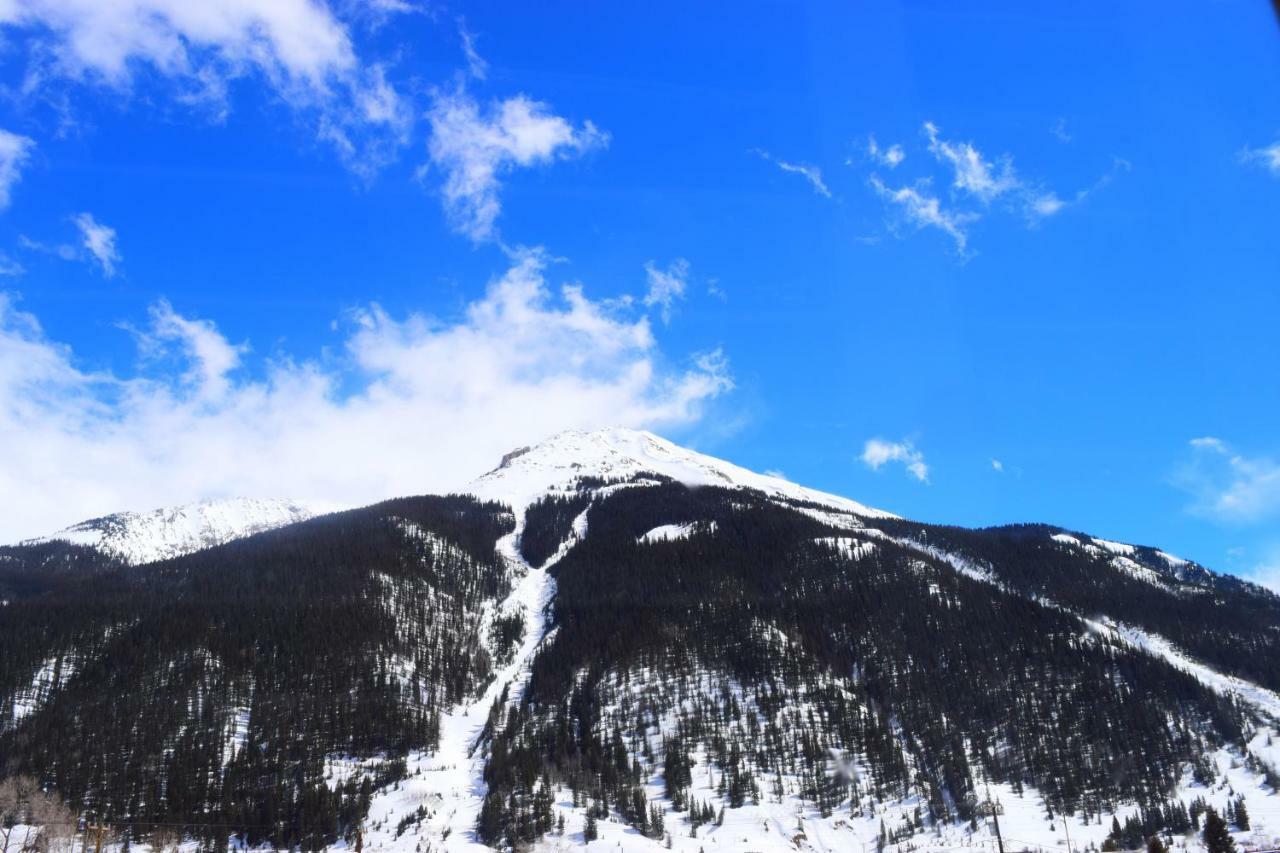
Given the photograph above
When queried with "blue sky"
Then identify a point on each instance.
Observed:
(321, 250)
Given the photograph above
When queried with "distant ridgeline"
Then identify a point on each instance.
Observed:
(773, 646)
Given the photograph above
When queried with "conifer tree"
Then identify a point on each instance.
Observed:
(1216, 837)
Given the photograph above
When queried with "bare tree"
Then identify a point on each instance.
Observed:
(32, 820)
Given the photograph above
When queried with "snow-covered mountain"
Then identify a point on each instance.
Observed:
(554, 465)
(614, 634)
(143, 537)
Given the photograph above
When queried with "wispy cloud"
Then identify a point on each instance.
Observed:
(474, 147)
(666, 286)
(1268, 157)
(997, 466)
(476, 66)
(890, 157)
(405, 405)
(1228, 485)
(99, 241)
(973, 173)
(977, 185)
(918, 208)
(877, 453)
(812, 174)
(14, 151)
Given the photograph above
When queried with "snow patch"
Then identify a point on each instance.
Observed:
(672, 532)
(847, 546)
(1114, 547)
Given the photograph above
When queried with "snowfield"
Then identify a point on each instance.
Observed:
(144, 537)
(618, 454)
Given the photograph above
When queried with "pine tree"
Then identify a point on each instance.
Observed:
(1216, 837)
(1242, 815)
(1156, 845)
(590, 832)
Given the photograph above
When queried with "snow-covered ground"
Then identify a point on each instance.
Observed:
(1260, 698)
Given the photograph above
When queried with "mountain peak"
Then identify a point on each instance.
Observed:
(159, 534)
(614, 453)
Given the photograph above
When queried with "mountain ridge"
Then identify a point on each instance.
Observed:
(616, 632)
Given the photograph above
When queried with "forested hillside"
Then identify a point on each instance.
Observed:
(213, 688)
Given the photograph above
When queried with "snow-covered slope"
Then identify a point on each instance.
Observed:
(615, 453)
(143, 537)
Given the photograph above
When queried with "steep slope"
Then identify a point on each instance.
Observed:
(771, 661)
(144, 537)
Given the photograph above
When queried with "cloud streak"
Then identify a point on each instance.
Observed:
(977, 185)
(474, 148)
(812, 174)
(1268, 157)
(918, 208)
(14, 152)
(890, 157)
(99, 241)
(877, 453)
(403, 406)
(667, 286)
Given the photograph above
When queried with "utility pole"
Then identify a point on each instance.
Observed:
(1066, 828)
(995, 818)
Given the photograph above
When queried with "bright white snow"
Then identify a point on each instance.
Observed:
(144, 537)
(671, 532)
(616, 454)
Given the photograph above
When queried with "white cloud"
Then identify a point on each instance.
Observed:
(1059, 130)
(474, 148)
(9, 267)
(297, 46)
(14, 151)
(1267, 573)
(1268, 156)
(1047, 205)
(922, 210)
(1228, 485)
(405, 406)
(877, 452)
(99, 241)
(983, 183)
(666, 286)
(812, 174)
(997, 465)
(476, 66)
(973, 174)
(891, 157)
(209, 356)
